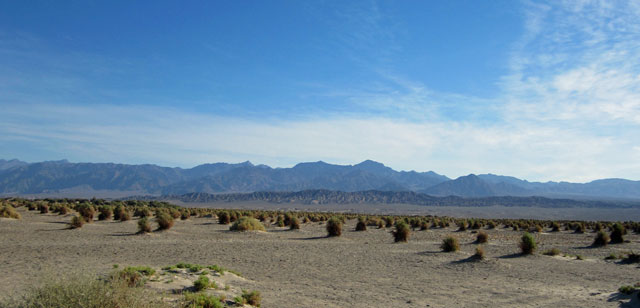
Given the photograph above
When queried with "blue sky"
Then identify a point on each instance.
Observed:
(538, 90)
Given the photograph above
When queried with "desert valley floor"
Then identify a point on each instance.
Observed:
(304, 268)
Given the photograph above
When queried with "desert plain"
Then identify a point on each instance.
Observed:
(305, 268)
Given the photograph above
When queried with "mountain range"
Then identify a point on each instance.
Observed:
(63, 177)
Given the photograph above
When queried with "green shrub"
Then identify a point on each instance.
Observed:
(611, 256)
(602, 239)
(106, 212)
(7, 211)
(84, 291)
(450, 244)
(527, 244)
(617, 233)
(247, 224)
(551, 252)
(628, 290)
(165, 221)
(632, 258)
(144, 226)
(134, 276)
(252, 298)
(402, 232)
(76, 222)
(482, 237)
(185, 214)
(200, 300)
(202, 283)
(334, 226)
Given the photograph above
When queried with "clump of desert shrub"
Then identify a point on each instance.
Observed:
(555, 227)
(479, 254)
(482, 237)
(165, 221)
(201, 283)
(579, 228)
(185, 214)
(462, 225)
(361, 225)
(450, 244)
(627, 290)
(334, 226)
(201, 300)
(247, 224)
(611, 256)
(632, 258)
(294, 223)
(122, 214)
(134, 276)
(85, 291)
(7, 211)
(601, 239)
(551, 252)
(224, 218)
(252, 298)
(144, 226)
(388, 221)
(106, 212)
(617, 233)
(402, 232)
(63, 210)
(491, 224)
(527, 244)
(44, 209)
(280, 221)
(579, 257)
(87, 212)
(76, 222)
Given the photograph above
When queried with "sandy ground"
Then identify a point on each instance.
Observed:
(305, 269)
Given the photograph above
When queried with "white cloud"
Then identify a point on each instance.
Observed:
(169, 136)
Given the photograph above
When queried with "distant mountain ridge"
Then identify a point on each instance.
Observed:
(389, 197)
(21, 178)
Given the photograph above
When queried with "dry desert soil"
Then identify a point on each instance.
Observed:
(304, 268)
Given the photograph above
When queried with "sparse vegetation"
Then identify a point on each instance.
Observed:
(76, 222)
(617, 233)
(201, 283)
(7, 211)
(527, 244)
(551, 252)
(165, 221)
(247, 224)
(224, 218)
(602, 239)
(361, 225)
(200, 300)
(144, 226)
(252, 298)
(84, 291)
(334, 226)
(294, 223)
(450, 244)
(479, 254)
(402, 232)
(482, 237)
(627, 290)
